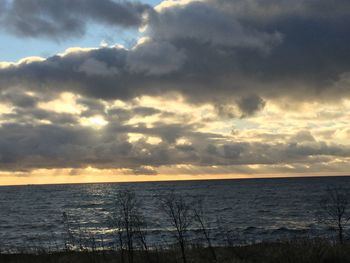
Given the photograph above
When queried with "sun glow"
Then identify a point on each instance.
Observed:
(95, 121)
(66, 103)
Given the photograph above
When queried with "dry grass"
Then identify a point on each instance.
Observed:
(294, 251)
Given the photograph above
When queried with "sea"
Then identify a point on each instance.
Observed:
(238, 211)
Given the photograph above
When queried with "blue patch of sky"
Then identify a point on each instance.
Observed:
(14, 48)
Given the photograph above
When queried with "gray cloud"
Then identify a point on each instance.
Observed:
(155, 58)
(231, 54)
(204, 23)
(144, 171)
(26, 147)
(303, 136)
(18, 98)
(249, 105)
(3, 7)
(26, 143)
(58, 19)
(268, 10)
(145, 111)
(35, 116)
(227, 54)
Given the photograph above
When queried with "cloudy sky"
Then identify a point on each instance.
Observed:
(114, 90)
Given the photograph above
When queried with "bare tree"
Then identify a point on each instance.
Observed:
(336, 213)
(141, 234)
(127, 220)
(117, 223)
(178, 210)
(204, 225)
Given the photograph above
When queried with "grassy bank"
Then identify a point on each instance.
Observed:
(298, 251)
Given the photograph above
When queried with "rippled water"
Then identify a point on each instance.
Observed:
(259, 209)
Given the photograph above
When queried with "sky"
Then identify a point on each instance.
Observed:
(96, 91)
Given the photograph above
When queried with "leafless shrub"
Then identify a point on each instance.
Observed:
(335, 210)
(128, 221)
(204, 226)
(178, 210)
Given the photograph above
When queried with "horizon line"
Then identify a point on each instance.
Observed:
(293, 176)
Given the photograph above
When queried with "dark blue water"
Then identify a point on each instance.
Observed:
(251, 210)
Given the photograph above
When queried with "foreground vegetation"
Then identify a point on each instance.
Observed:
(298, 251)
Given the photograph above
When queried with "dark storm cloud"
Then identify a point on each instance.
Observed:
(144, 171)
(249, 105)
(58, 19)
(56, 146)
(35, 116)
(26, 147)
(145, 111)
(3, 8)
(268, 10)
(206, 24)
(64, 73)
(236, 55)
(212, 51)
(17, 98)
(92, 107)
(125, 115)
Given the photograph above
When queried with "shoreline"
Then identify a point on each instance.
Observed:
(294, 250)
